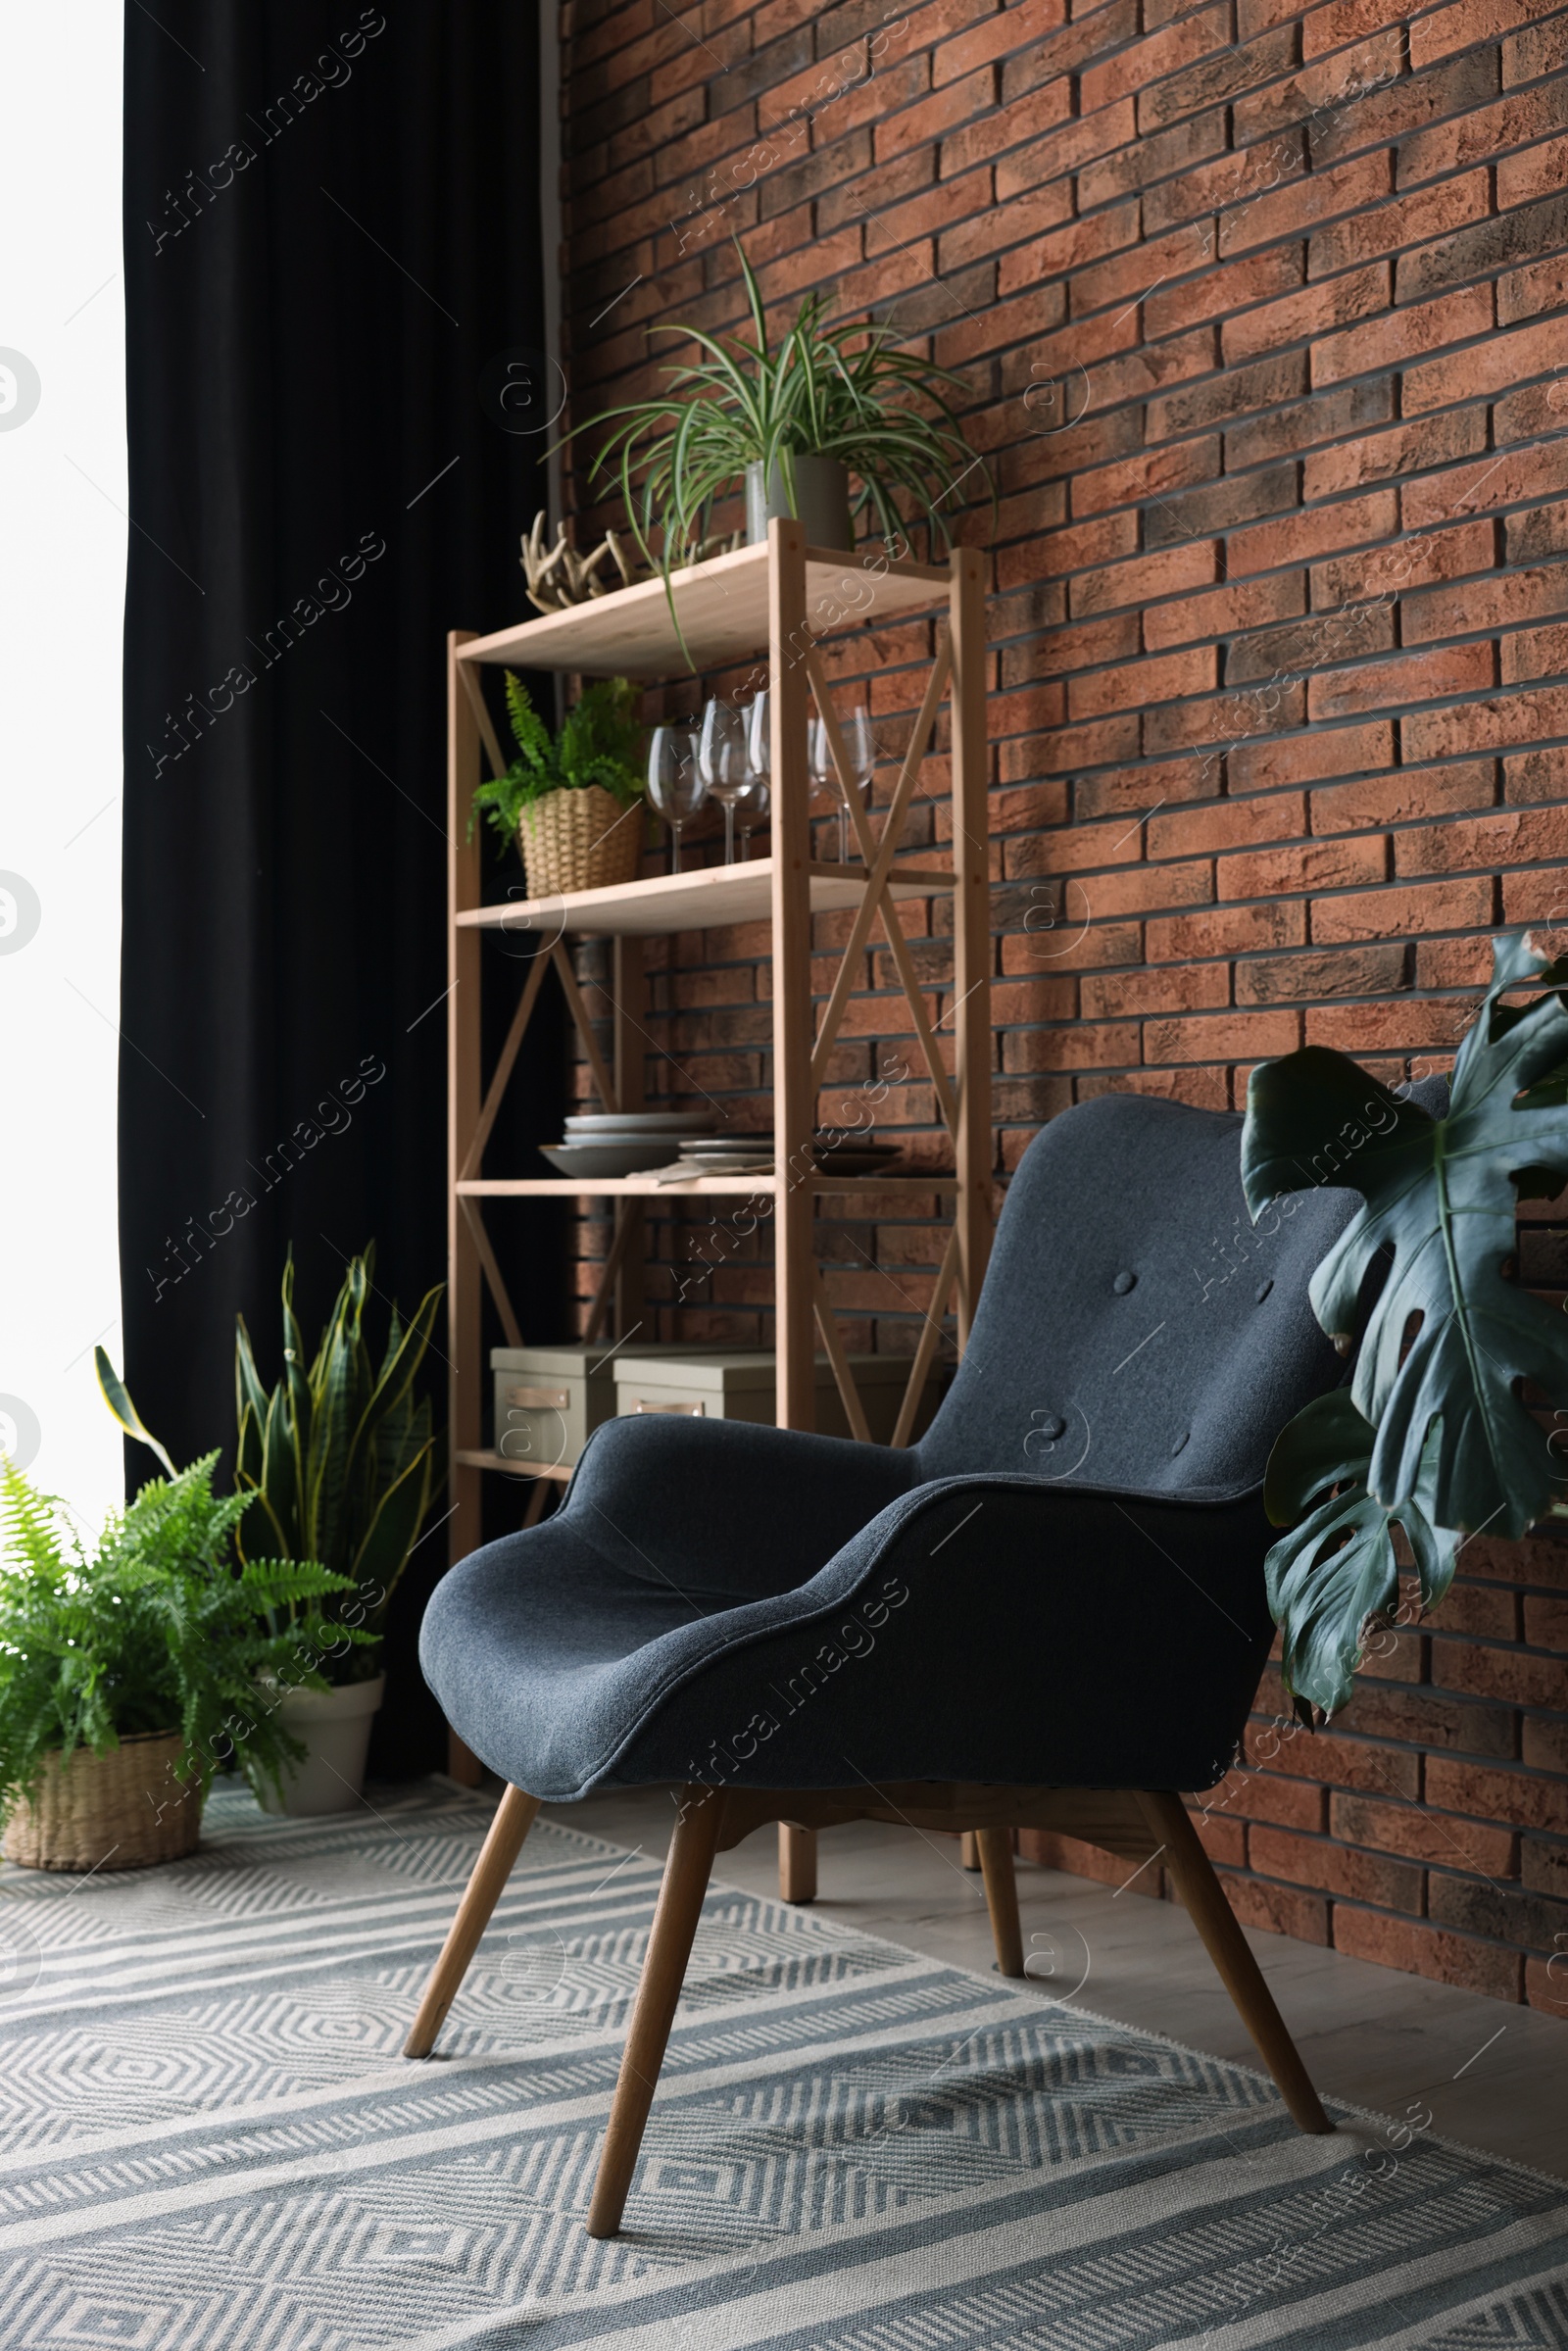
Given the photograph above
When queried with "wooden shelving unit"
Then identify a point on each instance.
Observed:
(779, 599)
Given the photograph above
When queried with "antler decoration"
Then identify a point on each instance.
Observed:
(558, 577)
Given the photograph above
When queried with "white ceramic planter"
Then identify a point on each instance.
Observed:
(335, 1726)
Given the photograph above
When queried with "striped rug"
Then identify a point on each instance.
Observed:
(211, 2143)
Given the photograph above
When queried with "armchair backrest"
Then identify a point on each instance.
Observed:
(1134, 1329)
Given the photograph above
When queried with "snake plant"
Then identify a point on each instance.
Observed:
(340, 1454)
(1433, 1435)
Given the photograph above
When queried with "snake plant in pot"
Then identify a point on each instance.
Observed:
(791, 425)
(339, 1456)
(1432, 1435)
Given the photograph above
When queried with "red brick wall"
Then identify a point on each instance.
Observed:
(1259, 310)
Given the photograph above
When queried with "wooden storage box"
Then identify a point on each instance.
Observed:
(721, 1386)
(550, 1399)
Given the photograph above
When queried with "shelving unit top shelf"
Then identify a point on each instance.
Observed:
(697, 901)
(723, 611)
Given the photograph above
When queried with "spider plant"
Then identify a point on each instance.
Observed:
(834, 388)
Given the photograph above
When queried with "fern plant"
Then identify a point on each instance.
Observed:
(156, 1627)
(599, 743)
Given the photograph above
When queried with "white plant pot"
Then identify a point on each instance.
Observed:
(335, 1726)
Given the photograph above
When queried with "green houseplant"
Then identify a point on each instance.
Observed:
(130, 1668)
(836, 394)
(565, 796)
(340, 1458)
(1432, 1435)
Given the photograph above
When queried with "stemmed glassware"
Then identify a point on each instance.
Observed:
(722, 754)
(750, 809)
(676, 785)
(759, 735)
(859, 749)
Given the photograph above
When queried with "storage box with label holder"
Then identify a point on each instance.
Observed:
(732, 1386)
(550, 1399)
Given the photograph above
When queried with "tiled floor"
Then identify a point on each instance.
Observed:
(1496, 2076)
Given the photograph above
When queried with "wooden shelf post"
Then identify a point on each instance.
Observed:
(466, 1362)
(972, 922)
(794, 1102)
(629, 999)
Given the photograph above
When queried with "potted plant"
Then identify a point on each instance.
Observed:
(838, 397)
(340, 1456)
(128, 1669)
(571, 800)
(338, 1460)
(1432, 1435)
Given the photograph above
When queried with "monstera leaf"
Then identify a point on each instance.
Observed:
(1336, 1566)
(1449, 1337)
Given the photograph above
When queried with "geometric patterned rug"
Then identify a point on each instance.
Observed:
(208, 2140)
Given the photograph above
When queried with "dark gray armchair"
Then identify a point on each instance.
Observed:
(1050, 1611)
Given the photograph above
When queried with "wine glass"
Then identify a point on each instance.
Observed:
(860, 749)
(760, 734)
(752, 804)
(721, 753)
(675, 782)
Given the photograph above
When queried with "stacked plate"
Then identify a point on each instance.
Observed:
(835, 1153)
(842, 1155)
(620, 1142)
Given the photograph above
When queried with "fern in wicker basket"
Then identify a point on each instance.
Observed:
(155, 1632)
(571, 800)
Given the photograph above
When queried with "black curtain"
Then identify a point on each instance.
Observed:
(335, 325)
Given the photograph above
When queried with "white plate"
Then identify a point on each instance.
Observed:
(589, 1125)
(624, 1158)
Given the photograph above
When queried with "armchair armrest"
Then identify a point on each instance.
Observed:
(735, 1511)
(992, 1628)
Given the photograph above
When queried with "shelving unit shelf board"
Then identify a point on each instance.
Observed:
(700, 900)
(725, 1187)
(467, 1460)
(724, 613)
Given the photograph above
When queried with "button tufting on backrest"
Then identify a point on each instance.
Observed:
(1123, 1181)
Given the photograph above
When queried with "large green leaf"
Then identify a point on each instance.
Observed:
(1336, 1566)
(384, 1553)
(1449, 1337)
(406, 1352)
(118, 1398)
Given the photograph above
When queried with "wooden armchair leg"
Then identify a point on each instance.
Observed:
(514, 1819)
(1002, 1897)
(680, 1902)
(1204, 1899)
(796, 1863)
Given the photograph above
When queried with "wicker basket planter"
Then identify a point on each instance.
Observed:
(101, 1812)
(579, 840)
